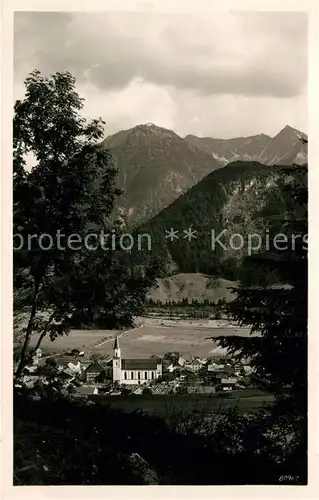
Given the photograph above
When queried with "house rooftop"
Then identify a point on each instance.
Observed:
(196, 361)
(95, 367)
(64, 375)
(85, 390)
(229, 380)
(65, 359)
(140, 364)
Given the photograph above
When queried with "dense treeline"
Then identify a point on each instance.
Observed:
(184, 308)
(185, 302)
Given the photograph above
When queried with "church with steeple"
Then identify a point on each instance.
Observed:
(134, 371)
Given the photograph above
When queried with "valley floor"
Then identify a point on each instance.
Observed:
(153, 337)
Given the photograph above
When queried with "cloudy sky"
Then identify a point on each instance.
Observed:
(218, 75)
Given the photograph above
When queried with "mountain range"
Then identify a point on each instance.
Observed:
(283, 149)
(157, 166)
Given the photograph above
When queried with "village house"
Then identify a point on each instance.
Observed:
(215, 377)
(247, 369)
(201, 389)
(196, 364)
(181, 361)
(86, 391)
(170, 368)
(215, 367)
(74, 369)
(228, 384)
(134, 371)
(93, 371)
(46, 374)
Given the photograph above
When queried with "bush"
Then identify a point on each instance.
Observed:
(218, 315)
(147, 391)
(65, 442)
(51, 362)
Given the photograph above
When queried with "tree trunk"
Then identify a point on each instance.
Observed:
(43, 334)
(29, 330)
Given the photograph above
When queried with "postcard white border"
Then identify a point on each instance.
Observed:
(153, 492)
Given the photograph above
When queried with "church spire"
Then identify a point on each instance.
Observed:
(116, 343)
(116, 348)
(117, 374)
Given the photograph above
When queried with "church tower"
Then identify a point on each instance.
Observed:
(116, 361)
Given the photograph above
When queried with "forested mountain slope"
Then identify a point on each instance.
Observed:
(233, 201)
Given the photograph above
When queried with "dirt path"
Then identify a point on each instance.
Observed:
(119, 336)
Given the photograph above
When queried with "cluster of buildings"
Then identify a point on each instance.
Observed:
(115, 373)
(221, 374)
(73, 369)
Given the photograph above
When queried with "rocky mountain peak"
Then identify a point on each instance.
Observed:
(155, 131)
(288, 130)
(155, 167)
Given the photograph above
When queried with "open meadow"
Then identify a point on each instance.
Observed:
(152, 337)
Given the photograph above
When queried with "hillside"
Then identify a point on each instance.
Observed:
(234, 199)
(155, 167)
(191, 286)
(284, 149)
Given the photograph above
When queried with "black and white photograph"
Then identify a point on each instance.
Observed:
(160, 248)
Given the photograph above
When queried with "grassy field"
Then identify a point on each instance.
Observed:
(77, 339)
(191, 338)
(246, 400)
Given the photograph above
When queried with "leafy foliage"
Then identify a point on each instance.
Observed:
(279, 315)
(60, 442)
(72, 270)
